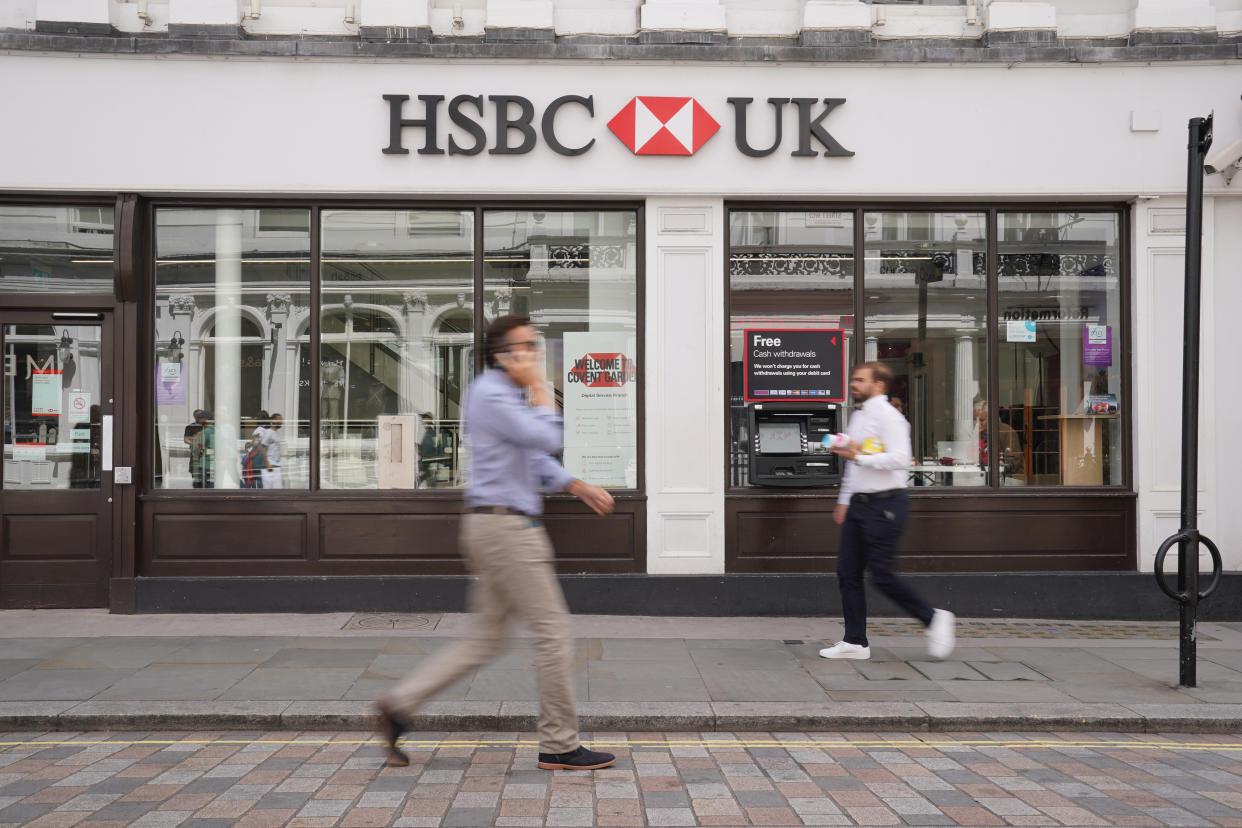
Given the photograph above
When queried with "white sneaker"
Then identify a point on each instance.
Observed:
(940, 637)
(843, 650)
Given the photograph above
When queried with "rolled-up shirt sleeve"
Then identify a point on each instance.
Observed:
(553, 477)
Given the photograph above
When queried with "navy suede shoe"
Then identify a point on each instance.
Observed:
(580, 759)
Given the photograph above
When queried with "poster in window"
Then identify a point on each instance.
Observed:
(601, 396)
(795, 365)
(1097, 345)
(169, 384)
(45, 392)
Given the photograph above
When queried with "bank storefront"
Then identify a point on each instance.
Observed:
(236, 351)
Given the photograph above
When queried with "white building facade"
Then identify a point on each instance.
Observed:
(313, 208)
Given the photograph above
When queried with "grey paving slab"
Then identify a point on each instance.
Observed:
(288, 683)
(1008, 691)
(1216, 691)
(39, 648)
(393, 666)
(1130, 687)
(113, 653)
(10, 667)
(887, 671)
(226, 650)
(627, 686)
(59, 685)
(948, 671)
(320, 657)
(760, 685)
(762, 656)
(179, 682)
(1056, 661)
(644, 649)
(1008, 671)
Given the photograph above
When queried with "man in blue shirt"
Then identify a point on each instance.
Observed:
(512, 428)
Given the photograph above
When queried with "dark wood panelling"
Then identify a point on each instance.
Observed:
(373, 533)
(998, 533)
(230, 537)
(50, 538)
(378, 537)
(589, 537)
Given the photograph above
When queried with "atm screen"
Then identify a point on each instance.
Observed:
(780, 438)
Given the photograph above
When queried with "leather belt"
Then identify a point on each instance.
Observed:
(864, 497)
(496, 510)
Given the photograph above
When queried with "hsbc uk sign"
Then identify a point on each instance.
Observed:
(646, 124)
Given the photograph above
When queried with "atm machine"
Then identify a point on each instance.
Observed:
(786, 447)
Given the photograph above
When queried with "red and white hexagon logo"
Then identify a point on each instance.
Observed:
(663, 126)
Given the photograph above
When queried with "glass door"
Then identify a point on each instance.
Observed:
(55, 471)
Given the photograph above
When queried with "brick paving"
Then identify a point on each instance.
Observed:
(200, 780)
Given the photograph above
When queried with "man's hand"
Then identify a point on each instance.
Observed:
(849, 452)
(598, 499)
(522, 367)
(838, 514)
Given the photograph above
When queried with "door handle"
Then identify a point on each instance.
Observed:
(394, 442)
(105, 442)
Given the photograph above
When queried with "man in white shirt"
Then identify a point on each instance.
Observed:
(270, 440)
(871, 511)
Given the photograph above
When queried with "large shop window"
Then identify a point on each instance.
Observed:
(47, 249)
(787, 271)
(232, 291)
(575, 275)
(397, 340)
(396, 345)
(925, 295)
(1060, 359)
(1056, 414)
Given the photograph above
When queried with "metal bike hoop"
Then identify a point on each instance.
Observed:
(1194, 538)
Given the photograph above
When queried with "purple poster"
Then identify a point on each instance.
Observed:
(169, 384)
(1097, 345)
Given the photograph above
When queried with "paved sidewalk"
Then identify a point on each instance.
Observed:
(263, 780)
(87, 670)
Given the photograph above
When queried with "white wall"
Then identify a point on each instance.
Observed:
(215, 125)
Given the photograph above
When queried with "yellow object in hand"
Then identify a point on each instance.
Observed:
(872, 445)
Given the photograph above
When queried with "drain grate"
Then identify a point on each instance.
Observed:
(1040, 629)
(392, 621)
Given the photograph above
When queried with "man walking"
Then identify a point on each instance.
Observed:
(872, 511)
(507, 549)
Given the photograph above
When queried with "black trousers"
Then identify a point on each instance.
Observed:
(869, 539)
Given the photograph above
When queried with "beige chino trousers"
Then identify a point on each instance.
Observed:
(511, 559)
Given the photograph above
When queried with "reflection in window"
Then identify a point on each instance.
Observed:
(228, 296)
(925, 294)
(574, 273)
(787, 270)
(1060, 370)
(52, 419)
(396, 347)
(55, 249)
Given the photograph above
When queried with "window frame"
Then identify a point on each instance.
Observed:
(991, 210)
(478, 207)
